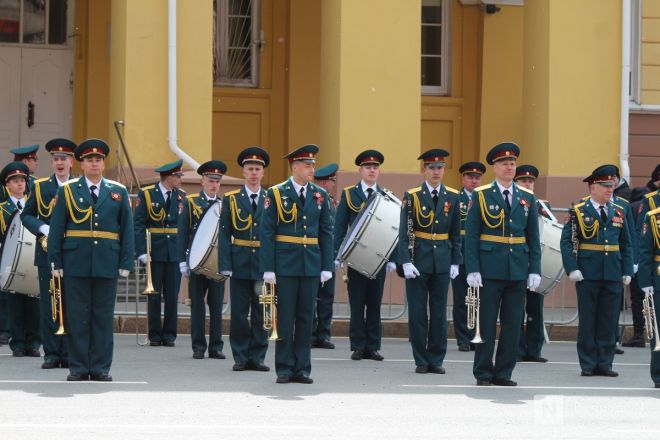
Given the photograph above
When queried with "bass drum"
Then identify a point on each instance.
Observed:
(552, 269)
(203, 251)
(18, 274)
(373, 236)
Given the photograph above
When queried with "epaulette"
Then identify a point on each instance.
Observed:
(579, 205)
(451, 190)
(231, 193)
(348, 187)
(483, 187)
(43, 179)
(70, 181)
(521, 188)
(618, 206)
(651, 194)
(114, 182)
(585, 198)
(621, 199)
(654, 212)
(147, 188)
(181, 191)
(414, 190)
(192, 196)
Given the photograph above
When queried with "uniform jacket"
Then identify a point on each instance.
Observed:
(431, 256)
(194, 206)
(285, 215)
(75, 211)
(238, 222)
(597, 265)
(8, 208)
(490, 227)
(150, 213)
(649, 252)
(351, 203)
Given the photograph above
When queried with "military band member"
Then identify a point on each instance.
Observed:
(435, 238)
(36, 218)
(199, 286)
(471, 173)
(364, 295)
(649, 276)
(503, 257)
(239, 251)
(597, 255)
(23, 310)
(158, 209)
(27, 155)
(90, 243)
(532, 332)
(326, 178)
(296, 250)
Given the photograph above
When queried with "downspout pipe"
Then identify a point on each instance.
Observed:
(626, 35)
(172, 89)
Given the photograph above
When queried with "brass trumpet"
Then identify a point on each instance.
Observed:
(149, 288)
(269, 301)
(472, 301)
(57, 306)
(651, 321)
(43, 241)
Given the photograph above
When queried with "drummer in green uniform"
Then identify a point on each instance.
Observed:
(23, 310)
(296, 251)
(326, 178)
(199, 286)
(36, 218)
(597, 255)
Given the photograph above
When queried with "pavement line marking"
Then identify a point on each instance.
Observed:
(462, 361)
(63, 381)
(151, 426)
(530, 387)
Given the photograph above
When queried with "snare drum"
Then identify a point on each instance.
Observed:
(203, 251)
(18, 274)
(373, 236)
(552, 269)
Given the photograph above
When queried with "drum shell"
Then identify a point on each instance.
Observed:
(552, 269)
(203, 250)
(18, 274)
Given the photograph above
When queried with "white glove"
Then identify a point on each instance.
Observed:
(635, 268)
(183, 267)
(474, 279)
(57, 273)
(226, 273)
(44, 229)
(337, 264)
(269, 277)
(533, 281)
(143, 258)
(410, 271)
(648, 291)
(626, 279)
(453, 271)
(325, 276)
(391, 267)
(123, 273)
(576, 276)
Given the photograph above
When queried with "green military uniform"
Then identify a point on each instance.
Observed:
(436, 227)
(322, 324)
(200, 286)
(602, 251)
(36, 218)
(91, 240)
(364, 295)
(459, 284)
(23, 310)
(296, 244)
(160, 217)
(649, 275)
(502, 248)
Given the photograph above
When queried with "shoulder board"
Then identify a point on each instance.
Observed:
(192, 196)
(414, 190)
(70, 181)
(231, 193)
(579, 205)
(279, 185)
(348, 187)
(181, 191)
(622, 200)
(43, 179)
(654, 212)
(618, 206)
(528, 191)
(585, 198)
(114, 182)
(483, 187)
(452, 190)
(651, 194)
(147, 188)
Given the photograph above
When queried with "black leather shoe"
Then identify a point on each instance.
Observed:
(464, 347)
(217, 355)
(635, 341)
(155, 343)
(101, 377)
(283, 379)
(483, 383)
(257, 367)
(356, 356)
(4, 340)
(324, 343)
(31, 352)
(19, 353)
(302, 379)
(587, 373)
(535, 359)
(198, 355)
(657, 385)
(49, 365)
(606, 373)
(435, 369)
(64, 364)
(373, 355)
(421, 369)
(473, 346)
(618, 351)
(238, 367)
(168, 343)
(504, 382)
(75, 377)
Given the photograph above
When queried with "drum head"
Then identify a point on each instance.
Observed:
(206, 229)
(357, 226)
(10, 249)
(552, 269)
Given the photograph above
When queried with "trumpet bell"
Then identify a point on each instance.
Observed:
(477, 340)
